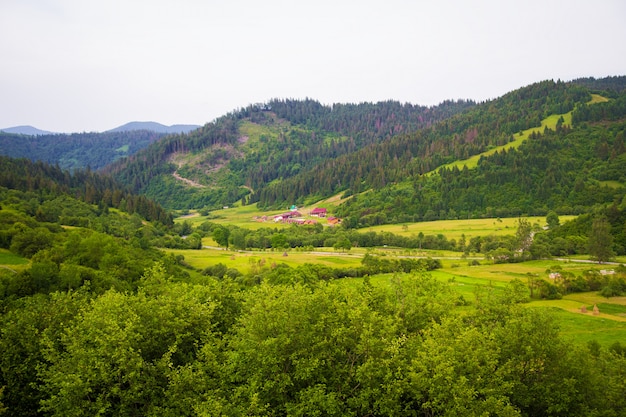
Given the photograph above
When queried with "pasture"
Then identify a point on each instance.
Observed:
(468, 280)
(455, 229)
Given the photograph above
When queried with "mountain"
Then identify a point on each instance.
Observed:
(551, 145)
(155, 127)
(247, 149)
(26, 130)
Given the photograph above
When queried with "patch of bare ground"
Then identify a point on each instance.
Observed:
(187, 181)
(205, 161)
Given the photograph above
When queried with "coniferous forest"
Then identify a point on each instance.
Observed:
(101, 315)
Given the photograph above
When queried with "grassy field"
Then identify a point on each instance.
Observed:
(245, 260)
(454, 229)
(12, 262)
(606, 328)
(8, 258)
(250, 217)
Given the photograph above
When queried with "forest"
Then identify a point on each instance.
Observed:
(383, 155)
(295, 136)
(77, 150)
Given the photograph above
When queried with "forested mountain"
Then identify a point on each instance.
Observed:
(296, 151)
(26, 130)
(77, 150)
(392, 158)
(406, 156)
(249, 148)
(569, 170)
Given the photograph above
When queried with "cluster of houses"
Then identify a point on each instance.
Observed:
(296, 217)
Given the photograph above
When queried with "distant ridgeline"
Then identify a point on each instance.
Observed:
(77, 150)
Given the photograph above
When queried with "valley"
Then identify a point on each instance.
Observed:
(293, 259)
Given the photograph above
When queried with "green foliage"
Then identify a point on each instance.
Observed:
(47, 182)
(174, 348)
(261, 144)
(147, 341)
(78, 150)
(601, 240)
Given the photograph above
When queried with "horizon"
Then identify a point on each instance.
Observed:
(31, 126)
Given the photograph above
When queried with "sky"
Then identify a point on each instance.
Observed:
(92, 65)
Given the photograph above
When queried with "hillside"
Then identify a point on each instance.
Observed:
(77, 150)
(541, 174)
(569, 169)
(242, 152)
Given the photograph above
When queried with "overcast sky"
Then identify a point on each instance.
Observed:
(83, 65)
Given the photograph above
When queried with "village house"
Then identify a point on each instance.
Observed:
(334, 220)
(318, 212)
(285, 216)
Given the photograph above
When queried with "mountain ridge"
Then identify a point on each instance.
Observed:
(155, 127)
(29, 130)
(26, 130)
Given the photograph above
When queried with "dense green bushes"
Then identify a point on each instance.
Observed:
(174, 348)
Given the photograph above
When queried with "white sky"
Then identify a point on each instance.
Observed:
(92, 65)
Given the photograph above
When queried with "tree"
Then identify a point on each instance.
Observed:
(343, 244)
(220, 235)
(600, 244)
(133, 355)
(524, 235)
(552, 219)
(279, 241)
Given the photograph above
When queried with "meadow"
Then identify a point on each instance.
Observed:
(461, 272)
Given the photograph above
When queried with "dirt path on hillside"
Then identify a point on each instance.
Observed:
(187, 180)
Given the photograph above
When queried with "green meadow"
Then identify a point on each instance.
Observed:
(455, 229)
(460, 272)
(549, 122)
(12, 262)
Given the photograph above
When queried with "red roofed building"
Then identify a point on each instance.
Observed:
(319, 212)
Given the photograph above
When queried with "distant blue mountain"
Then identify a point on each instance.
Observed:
(154, 127)
(128, 127)
(26, 130)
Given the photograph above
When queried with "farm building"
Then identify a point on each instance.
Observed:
(319, 212)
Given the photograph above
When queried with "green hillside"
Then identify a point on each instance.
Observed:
(77, 150)
(243, 152)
